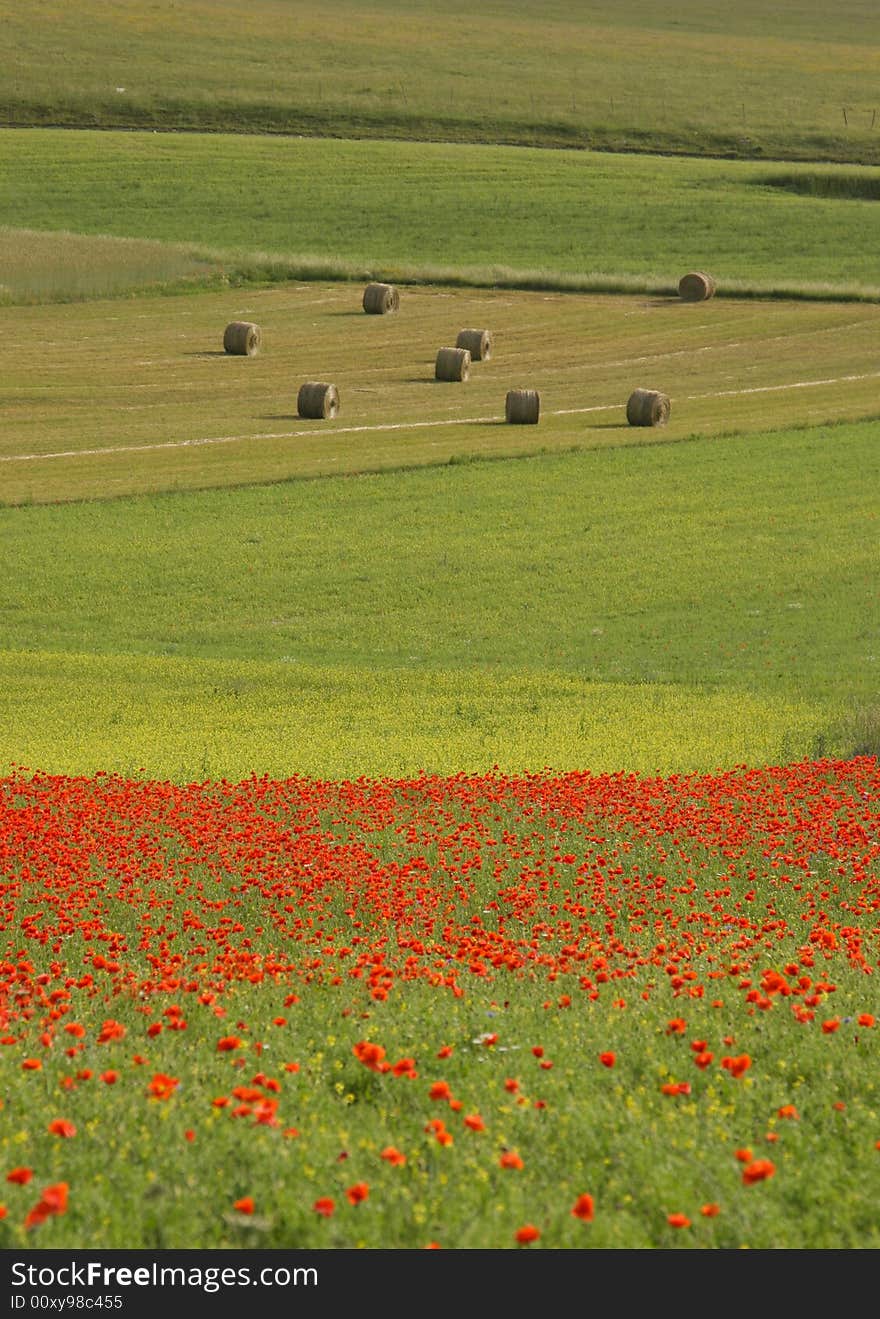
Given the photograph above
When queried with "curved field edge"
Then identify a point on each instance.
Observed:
(188, 720)
(472, 215)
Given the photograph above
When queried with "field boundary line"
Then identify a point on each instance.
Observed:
(381, 427)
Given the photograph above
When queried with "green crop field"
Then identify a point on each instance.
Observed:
(249, 208)
(699, 77)
(404, 765)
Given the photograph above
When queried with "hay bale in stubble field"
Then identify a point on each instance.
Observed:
(477, 342)
(647, 407)
(379, 299)
(696, 286)
(242, 338)
(452, 364)
(522, 407)
(316, 399)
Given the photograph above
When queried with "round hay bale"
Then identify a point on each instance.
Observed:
(316, 399)
(452, 364)
(647, 407)
(477, 342)
(380, 299)
(242, 338)
(696, 286)
(522, 407)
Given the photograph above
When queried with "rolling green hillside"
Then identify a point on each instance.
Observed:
(792, 80)
(255, 208)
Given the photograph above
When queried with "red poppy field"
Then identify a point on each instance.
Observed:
(546, 1011)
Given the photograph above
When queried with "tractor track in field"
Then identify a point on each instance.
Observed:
(379, 427)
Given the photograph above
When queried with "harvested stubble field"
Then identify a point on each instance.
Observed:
(133, 397)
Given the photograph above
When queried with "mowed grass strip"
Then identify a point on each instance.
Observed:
(271, 206)
(188, 720)
(139, 396)
(748, 78)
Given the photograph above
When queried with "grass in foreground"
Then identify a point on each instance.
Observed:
(502, 1013)
(738, 568)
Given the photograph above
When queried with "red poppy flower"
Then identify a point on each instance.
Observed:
(31, 1065)
(111, 1030)
(446, 1051)
(584, 1208)
(52, 1201)
(371, 1055)
(678, 1220)
(474, 1122)
(865, 1019)
(526, 1234)
(710, 1210)
(20, 1176)
(59, 1126)
(830, 1026)
(607, 1059)
(110, 1077)
(440, 1090)
(245, 1205)
(510, 1159)
(758, 1171)
(358, 1193)
(788, 1111)
(163, 1086)
(228, 1044)
(676, 1088)
(744, 1155)
(393, 1156)
(325, 1206)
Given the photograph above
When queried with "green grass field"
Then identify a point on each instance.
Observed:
(262, 208)
(790, 80)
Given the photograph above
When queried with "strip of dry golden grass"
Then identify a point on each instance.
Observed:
(139, 396)
(61, 267)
